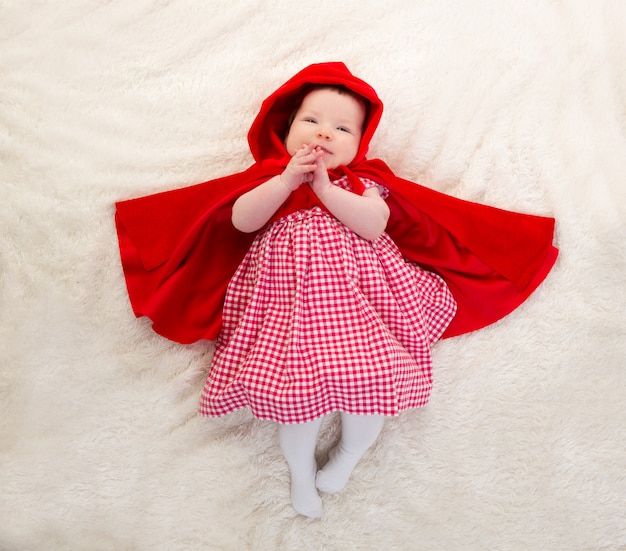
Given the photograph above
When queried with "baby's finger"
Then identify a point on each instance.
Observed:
(304, 152)
(300, 166)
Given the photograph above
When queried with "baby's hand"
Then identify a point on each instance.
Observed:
(321, 181)
(301, 167)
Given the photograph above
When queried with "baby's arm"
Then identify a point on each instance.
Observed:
(366, 215)
(253, 209)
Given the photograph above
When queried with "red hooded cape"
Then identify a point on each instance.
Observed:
(179, 248)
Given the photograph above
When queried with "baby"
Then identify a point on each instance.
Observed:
(315, 286)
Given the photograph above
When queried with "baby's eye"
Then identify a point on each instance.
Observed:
(344, 129)
(310, 119)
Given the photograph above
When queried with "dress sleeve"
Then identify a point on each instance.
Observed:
(344, 183)
(384, 192)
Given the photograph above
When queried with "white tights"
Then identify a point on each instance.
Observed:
(298, 442)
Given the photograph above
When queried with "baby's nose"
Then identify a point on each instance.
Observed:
(324, 134)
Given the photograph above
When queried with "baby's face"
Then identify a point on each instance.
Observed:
(330, 120)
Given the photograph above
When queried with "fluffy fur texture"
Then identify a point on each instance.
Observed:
(519, 105)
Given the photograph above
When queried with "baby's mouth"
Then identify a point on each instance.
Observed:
(324, 149)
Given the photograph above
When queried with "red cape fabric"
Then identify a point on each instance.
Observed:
(179, 248)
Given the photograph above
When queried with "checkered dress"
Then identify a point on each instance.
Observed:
(317, 319)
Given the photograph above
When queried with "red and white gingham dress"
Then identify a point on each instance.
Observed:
(317, 319)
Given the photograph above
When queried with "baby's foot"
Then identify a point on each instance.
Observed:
(336, 473)
(304, 497)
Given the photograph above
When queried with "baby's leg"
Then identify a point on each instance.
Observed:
(358, 433)
(298, 443)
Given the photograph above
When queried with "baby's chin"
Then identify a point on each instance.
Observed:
(333, 164)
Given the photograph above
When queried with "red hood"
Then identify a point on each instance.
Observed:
(270, 126)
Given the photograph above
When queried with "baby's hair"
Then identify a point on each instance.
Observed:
(339, 88)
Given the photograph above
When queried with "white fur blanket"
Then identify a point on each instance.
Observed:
(521, 105)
